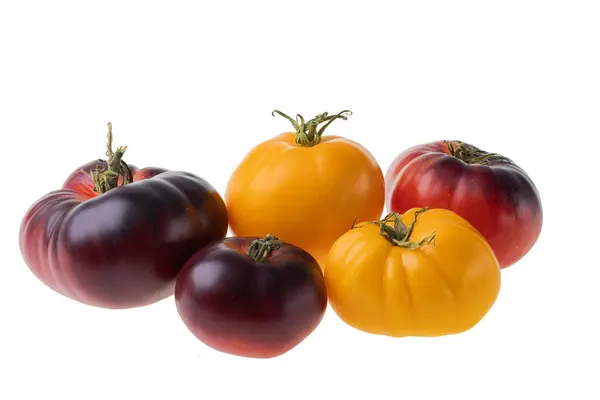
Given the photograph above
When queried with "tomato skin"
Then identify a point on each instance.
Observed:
(306, 196)
(497, 198)
(442, 288)
(124, 248)
(249, 308)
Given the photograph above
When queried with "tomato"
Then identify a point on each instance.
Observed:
(115, 236)
(305, 188)
(251, 297)
(423, 273)
(490, 191)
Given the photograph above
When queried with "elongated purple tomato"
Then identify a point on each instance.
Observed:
(115, 236)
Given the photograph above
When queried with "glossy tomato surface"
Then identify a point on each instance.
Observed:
(241, 306)
(489, 190)
(123, 248)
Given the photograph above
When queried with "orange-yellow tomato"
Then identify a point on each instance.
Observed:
(437, 278)
(304, 188)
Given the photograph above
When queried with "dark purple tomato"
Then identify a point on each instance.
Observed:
(251, 297)
(487, 189)
(115, 236)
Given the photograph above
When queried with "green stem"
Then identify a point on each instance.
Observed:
(400, 233)
(469, 153)
(308, 133)
(105, 180)
(260, 249)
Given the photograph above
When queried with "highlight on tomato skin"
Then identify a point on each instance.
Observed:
(305, 187)
(115, 236)
(489, 190)
(251, 297)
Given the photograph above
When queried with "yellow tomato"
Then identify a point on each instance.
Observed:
(423, 273)
(305, 188)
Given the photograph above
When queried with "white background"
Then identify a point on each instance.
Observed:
(190, 86)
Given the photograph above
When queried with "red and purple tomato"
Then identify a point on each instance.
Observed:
(120, 246)
(489, 190)
(251, 297)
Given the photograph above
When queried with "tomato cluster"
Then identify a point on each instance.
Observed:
(306, 213)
